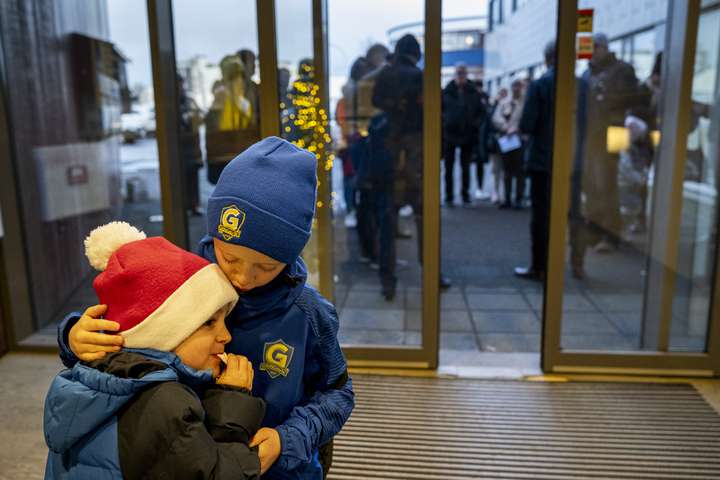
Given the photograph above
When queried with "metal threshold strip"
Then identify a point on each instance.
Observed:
(426, 428)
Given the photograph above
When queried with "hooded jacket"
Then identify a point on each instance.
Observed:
(289, 333)
(537, 122)
(399, 87)
(144, 414)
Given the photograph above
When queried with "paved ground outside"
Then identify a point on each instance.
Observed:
(488, 309)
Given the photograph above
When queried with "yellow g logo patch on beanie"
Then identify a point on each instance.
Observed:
(232, 220)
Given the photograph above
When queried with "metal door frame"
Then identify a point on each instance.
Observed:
(677, 77)
(427, 354)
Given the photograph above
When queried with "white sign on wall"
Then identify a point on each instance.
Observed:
(73, 179)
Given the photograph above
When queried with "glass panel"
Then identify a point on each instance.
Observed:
(82, 108)
(376, 106)
(216, 47)
(494, 261)
(301, 120)
(698, 234)
(611, 182)
(643, 54)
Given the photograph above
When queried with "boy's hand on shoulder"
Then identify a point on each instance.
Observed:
(269, 447)
(238, 373)
(85, 341)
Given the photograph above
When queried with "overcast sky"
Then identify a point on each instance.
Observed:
(215, 28)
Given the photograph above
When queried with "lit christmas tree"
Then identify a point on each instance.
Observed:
(306, 124)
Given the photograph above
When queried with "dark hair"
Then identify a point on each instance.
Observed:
(305, 67)
(408, 45)
(246, 55)
(359, 68)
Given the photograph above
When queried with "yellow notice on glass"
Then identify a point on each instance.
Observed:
(585, 20)
(618, 139)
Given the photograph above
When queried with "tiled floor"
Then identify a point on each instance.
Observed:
(488, 309)
(500, 321)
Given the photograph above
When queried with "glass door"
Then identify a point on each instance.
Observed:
(633, 260)
(383, 109)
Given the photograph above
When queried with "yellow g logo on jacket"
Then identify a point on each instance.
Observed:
(277, 357)
(232, 220)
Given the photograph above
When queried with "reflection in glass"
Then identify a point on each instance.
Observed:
(219, 95)
(376, 101)
(612, 178)
(698, 234)
(80, 102)
(614, 174)
(303, 121)
(644, 51)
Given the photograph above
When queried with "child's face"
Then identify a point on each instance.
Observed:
(200, 349)
(244, 267)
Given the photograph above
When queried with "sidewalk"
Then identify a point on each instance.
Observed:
(488, 309)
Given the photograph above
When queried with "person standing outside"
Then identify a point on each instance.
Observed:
(398, 93)
(489, 137)
(463, 110)
(506, 120)
(537, 123)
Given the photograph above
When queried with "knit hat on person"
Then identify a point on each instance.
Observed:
(408, 45)
(265, 199)
(158, 293)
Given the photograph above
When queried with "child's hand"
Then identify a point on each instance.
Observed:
(86, 343)
(269, 448)
(238, 372)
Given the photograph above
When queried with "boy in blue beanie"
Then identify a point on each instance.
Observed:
(259, 220)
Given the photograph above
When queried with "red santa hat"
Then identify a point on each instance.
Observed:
(158, 293)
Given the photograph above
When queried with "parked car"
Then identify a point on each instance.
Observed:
(133, 126)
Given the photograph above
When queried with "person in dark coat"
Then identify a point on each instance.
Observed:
(463, 111)
(537, 123)
(163, 407)
(608, 89)
(398, 92)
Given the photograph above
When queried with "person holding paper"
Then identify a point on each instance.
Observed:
(506, 120)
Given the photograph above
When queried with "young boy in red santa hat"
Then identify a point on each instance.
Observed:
(162, 407)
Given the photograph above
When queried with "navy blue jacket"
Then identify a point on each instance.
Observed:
(139, 414)
(537, 122)
(398, 92)
(374, 166)
(289, 333)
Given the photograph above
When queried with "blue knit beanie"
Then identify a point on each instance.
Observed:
(265, 199)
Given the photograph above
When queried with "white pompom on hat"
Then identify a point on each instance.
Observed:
(106, 239)
(158, 293)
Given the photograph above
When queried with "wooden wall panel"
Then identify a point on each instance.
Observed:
(42, 108)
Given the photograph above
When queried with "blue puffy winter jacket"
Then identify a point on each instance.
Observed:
(289, 333)
(144, 414)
